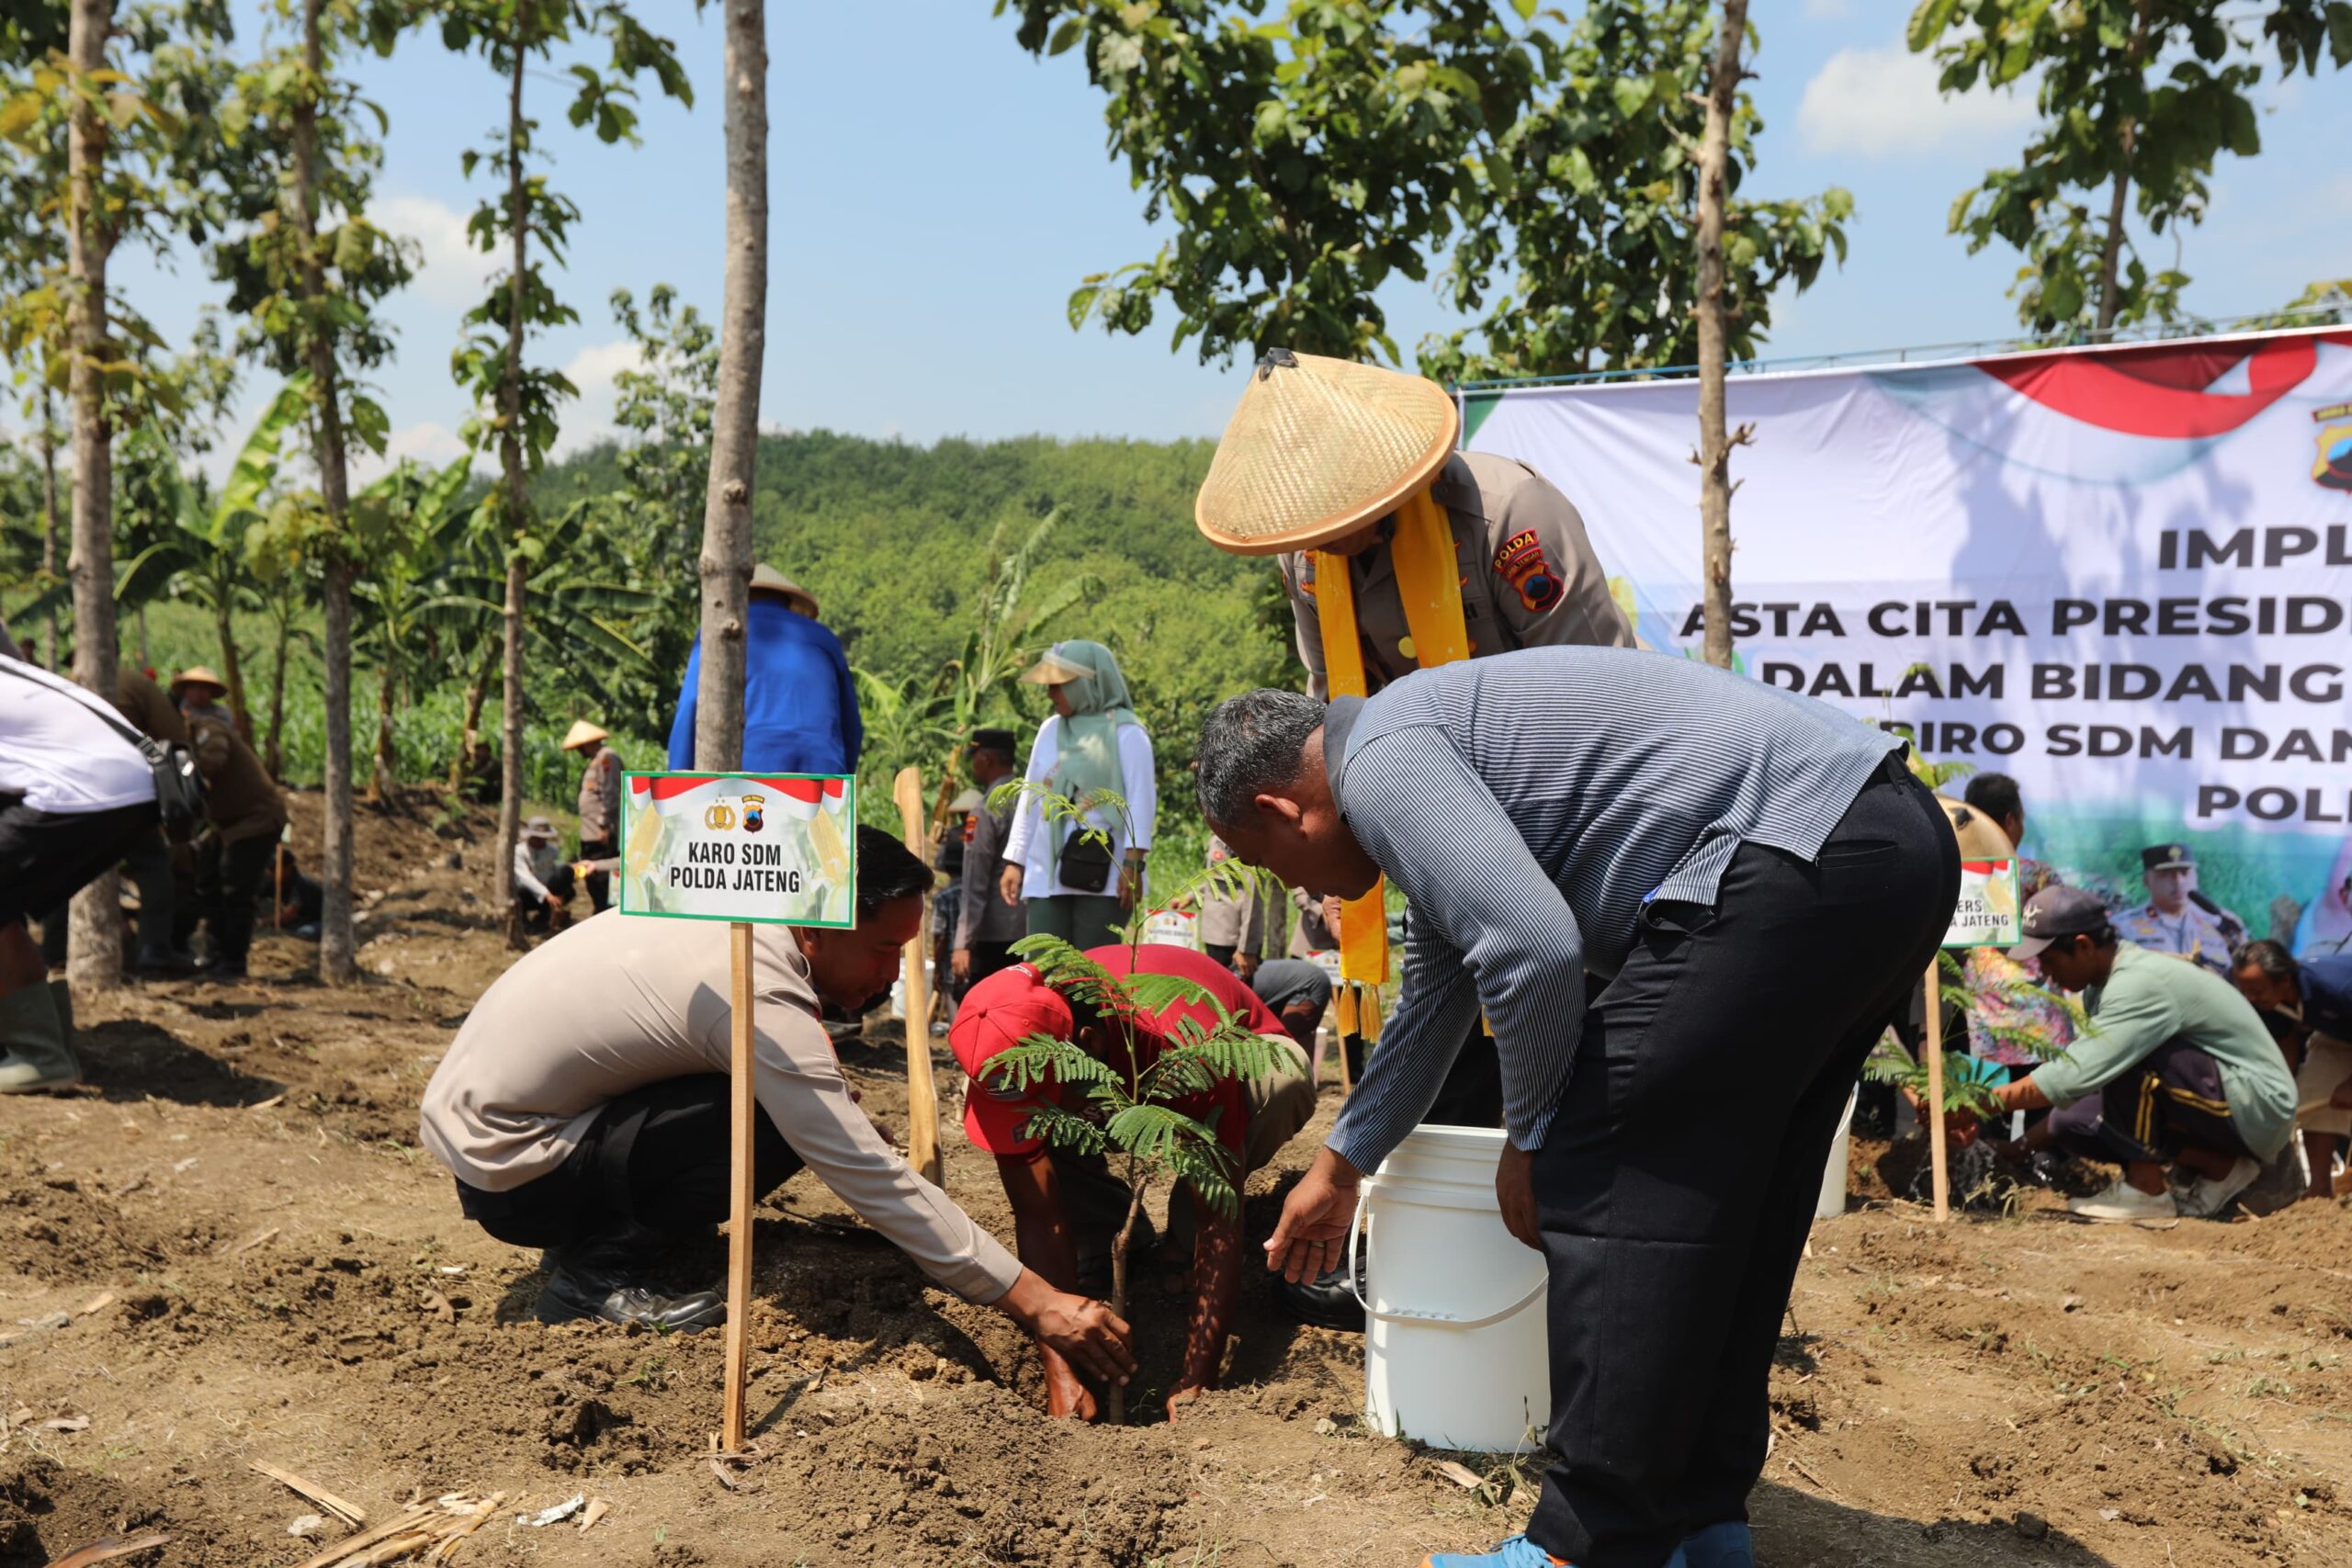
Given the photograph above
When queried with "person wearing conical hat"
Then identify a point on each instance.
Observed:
(1318, 461)
(197, 692)
(1321, 465)
(600, 804)
(800, 710)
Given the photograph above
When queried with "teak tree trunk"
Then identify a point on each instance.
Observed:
(510, 452)
(96, 925)
(726, 564)
(48, 518)
(338, 948)
(1714, 440)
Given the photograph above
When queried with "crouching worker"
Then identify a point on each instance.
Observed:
(2179, 1077)
(1068, 1207)
(583, 1109)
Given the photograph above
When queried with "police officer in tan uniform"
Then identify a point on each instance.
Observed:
(1528, 575)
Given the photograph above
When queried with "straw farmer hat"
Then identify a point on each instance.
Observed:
(1319, 448)
(765, 578)
(581, 733)
(198, 675)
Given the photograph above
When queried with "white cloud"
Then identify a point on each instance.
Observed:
(1883, 103)
(589, 418)
(454, 272)
(430, 444)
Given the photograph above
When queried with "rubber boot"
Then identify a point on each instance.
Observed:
(37, 1055)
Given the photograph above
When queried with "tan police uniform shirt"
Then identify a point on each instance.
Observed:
(1528, 575)
(617, 1003)
(600, 797)
(1251, 923)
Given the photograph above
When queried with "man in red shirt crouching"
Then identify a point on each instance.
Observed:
(1068, 1207)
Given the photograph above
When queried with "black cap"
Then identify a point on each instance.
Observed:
(2056, 912)
(2167, 857)
(992, 740)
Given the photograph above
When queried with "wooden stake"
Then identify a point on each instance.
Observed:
(743, 1106)
(922, 1098)
(1936, 1159)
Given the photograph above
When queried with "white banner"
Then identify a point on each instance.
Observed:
(2121, 576)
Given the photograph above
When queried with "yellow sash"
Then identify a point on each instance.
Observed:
(1430, 587)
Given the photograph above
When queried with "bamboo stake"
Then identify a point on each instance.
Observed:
(741, 1108)
(922, 1098)
(1936, 1155)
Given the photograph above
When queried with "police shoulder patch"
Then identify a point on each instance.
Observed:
(1521, 563)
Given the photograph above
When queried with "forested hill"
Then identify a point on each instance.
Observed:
(893, 540)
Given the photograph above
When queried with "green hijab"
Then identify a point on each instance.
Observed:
(1088, 762)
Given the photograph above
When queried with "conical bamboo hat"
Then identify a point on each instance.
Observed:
(582, 732)
(1319, 448)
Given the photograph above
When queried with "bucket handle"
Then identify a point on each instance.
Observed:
(1355, 1227)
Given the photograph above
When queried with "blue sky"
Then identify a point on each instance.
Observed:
(935, 193)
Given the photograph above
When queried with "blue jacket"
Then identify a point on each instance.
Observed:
(799, 705)
(2326, 985)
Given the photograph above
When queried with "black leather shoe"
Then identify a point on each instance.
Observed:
(599, 1280)
(1325, 1301)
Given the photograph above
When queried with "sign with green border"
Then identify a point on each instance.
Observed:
(779, 849)
(1987, 914)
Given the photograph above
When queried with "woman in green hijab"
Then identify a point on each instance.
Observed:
(1092, 750)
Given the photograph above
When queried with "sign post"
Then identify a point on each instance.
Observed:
(1986, 915)
(751, 850)
(922, 1098)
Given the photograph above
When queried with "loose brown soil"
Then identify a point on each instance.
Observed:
(291, 1282)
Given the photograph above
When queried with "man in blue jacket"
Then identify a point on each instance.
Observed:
(799, 705)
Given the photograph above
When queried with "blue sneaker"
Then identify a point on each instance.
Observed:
(1517, 1552)
(1726, 1545)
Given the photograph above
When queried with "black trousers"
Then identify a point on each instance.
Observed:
(988, 957)
(600, 884)
(1678, 1178)
(228, 880)
(654, 1161)
(558, 882)
(2173, 1100)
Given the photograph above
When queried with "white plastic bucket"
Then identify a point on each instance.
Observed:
(1454, 1348)
(1832, 1201)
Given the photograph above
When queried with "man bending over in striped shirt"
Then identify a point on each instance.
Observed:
(1701, 840)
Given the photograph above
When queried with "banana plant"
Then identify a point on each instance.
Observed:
(408, 528)
(577, 620)
(199, 551)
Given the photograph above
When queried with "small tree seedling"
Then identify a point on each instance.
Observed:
(1131, 1113)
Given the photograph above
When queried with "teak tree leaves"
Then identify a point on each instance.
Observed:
(2138, 99)
(1309, 153)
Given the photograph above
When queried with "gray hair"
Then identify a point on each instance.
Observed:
(1252, 745)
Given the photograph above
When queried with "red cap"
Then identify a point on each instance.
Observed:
(997, 1015)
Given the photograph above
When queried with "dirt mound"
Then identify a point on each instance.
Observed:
(254, 1261)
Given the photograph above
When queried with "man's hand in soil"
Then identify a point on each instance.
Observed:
(1093, 1337)
(1307, 1239)
(1217, 1297)
(1066, 1392)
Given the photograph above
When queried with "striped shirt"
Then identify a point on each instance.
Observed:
(1527, 805)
